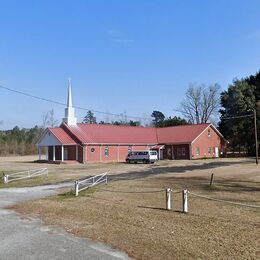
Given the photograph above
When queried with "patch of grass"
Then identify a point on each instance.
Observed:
(71, 194)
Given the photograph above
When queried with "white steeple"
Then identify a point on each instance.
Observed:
(69, 118)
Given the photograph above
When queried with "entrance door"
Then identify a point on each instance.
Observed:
(216, 152)
(66, 153)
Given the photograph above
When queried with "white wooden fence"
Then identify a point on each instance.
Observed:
(90, 182)
(24, 175)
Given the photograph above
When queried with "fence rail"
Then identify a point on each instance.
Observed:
(24, 175)
(90, 182)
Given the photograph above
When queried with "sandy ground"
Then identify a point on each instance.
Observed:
(130, 214)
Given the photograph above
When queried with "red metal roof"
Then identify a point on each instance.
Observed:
(61, 135)
(113, 134)
(179, 134)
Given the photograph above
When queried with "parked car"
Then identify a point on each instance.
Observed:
(142, 156)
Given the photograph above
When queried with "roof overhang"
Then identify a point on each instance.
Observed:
(48, 139)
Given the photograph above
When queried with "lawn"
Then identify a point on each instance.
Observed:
(139, 224)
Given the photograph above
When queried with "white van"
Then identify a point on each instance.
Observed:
(142, 156)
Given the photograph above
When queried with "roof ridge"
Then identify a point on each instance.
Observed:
(111, 125)
(184, 125)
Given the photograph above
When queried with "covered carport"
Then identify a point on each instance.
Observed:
(58, 146)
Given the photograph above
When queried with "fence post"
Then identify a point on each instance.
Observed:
(211, 179)
(185, 201)
(5, 178)
(168, 199)
(76, 188)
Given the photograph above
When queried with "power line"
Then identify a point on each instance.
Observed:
(64, 104)
(235, 117)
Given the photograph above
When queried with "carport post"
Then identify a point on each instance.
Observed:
(62, 153)
(53, 153)
(185, 201)
(168, 199)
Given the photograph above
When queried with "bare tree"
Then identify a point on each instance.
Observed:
(200, 103)
(45, 118)
(48, 119)
(52, 122)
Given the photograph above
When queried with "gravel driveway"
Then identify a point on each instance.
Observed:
(31, 239)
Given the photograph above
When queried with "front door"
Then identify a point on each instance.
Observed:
(216, 152)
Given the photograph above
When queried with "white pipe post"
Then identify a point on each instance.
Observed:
(5, 178)
(168, 199)
(53, 153)
(76, 188)
(185, 201)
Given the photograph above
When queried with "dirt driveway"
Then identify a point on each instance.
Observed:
(28, 238)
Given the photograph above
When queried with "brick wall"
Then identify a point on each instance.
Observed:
(204, 145)
(110, 153)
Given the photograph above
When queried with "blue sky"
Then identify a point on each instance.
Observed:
(132, 56)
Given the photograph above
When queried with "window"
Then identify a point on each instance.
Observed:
(209, 150)
(179, 151)
(106, 151)
(198, 151)
(209, 132)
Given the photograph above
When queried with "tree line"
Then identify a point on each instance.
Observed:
(21, 141)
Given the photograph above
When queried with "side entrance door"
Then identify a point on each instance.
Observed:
(216, 152)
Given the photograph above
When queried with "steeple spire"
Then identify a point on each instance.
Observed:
(69, 101)
(69, 118)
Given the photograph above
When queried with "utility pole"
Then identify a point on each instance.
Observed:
(256, 142)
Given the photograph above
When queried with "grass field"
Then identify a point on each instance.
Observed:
(138, 222)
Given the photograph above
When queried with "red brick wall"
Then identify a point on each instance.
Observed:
(203, 142)
(92, 153)
(96, 153)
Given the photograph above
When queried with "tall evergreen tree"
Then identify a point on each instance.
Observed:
(90, 118)
(158, 118)
(239, 100)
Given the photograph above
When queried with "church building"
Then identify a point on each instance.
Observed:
(83, 143)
